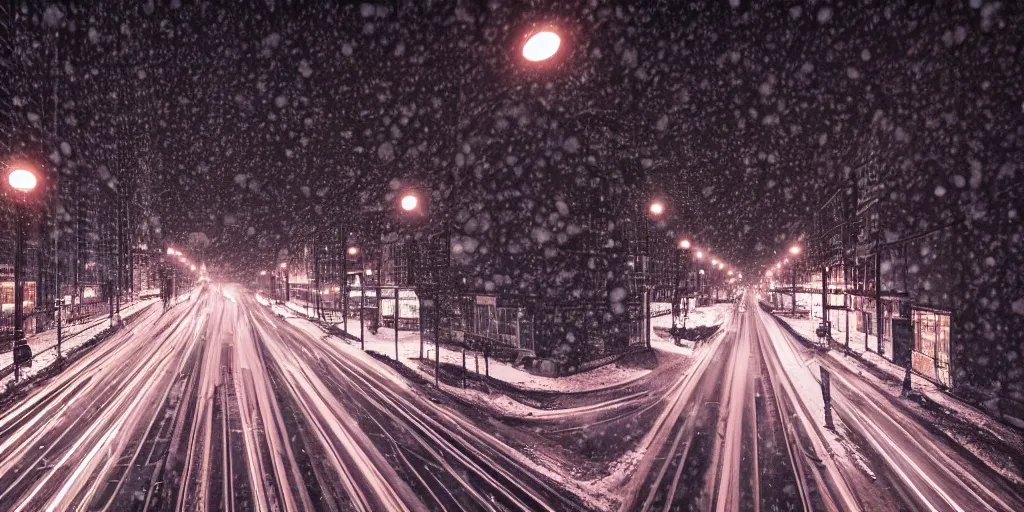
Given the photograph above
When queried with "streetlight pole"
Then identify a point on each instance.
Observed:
(793, 313)
(685, 246)
(23, 182)
(362, 299)
(655, 210)
(795, 251)
(19, 264)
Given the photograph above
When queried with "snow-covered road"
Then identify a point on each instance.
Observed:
(218, 404)
(743, 431)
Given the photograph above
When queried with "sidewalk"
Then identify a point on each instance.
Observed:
(996, 443)
(383, 343)
(44, 344)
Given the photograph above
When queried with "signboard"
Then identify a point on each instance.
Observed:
(486, 300)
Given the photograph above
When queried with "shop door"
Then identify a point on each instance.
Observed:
(902, 341)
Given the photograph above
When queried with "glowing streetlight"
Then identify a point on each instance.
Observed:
(721, 266)
(410, 202)
(170, 252)
(541, 46)
(284, 265)
(714, 263)
(685, 244)
(656, 208)
(730, 272)
(352, 251)
(263, 272)
(22, 180)
(794, 250)
(193, 267)
(700, 255)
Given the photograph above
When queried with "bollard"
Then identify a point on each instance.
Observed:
(906, 382)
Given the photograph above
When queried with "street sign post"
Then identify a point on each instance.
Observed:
(826, 395)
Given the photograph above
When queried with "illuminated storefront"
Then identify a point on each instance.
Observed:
(931, 345)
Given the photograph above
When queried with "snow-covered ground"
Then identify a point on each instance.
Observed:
(44, 344)
(706, 316)
(260, 415)
(383, 342)
(952, 408)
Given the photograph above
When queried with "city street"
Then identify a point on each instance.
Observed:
(743, 431)
(216, 404)
(545, 255)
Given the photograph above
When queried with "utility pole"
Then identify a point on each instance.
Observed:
(396, 322)
(120, 254)
(794, 289)
(675, 300)
(344, 279)
(316, 276)
(58, 299)
(362, 298)
(878, 299)
(824, 298)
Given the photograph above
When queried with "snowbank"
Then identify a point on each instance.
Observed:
(697, 318)
(886, 376)
(44, 344)
(409, 351)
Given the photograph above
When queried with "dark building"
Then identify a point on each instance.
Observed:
(575, 295)
(905, 279)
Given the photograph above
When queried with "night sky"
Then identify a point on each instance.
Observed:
(257, 122)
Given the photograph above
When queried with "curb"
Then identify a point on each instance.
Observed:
(922, 399)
